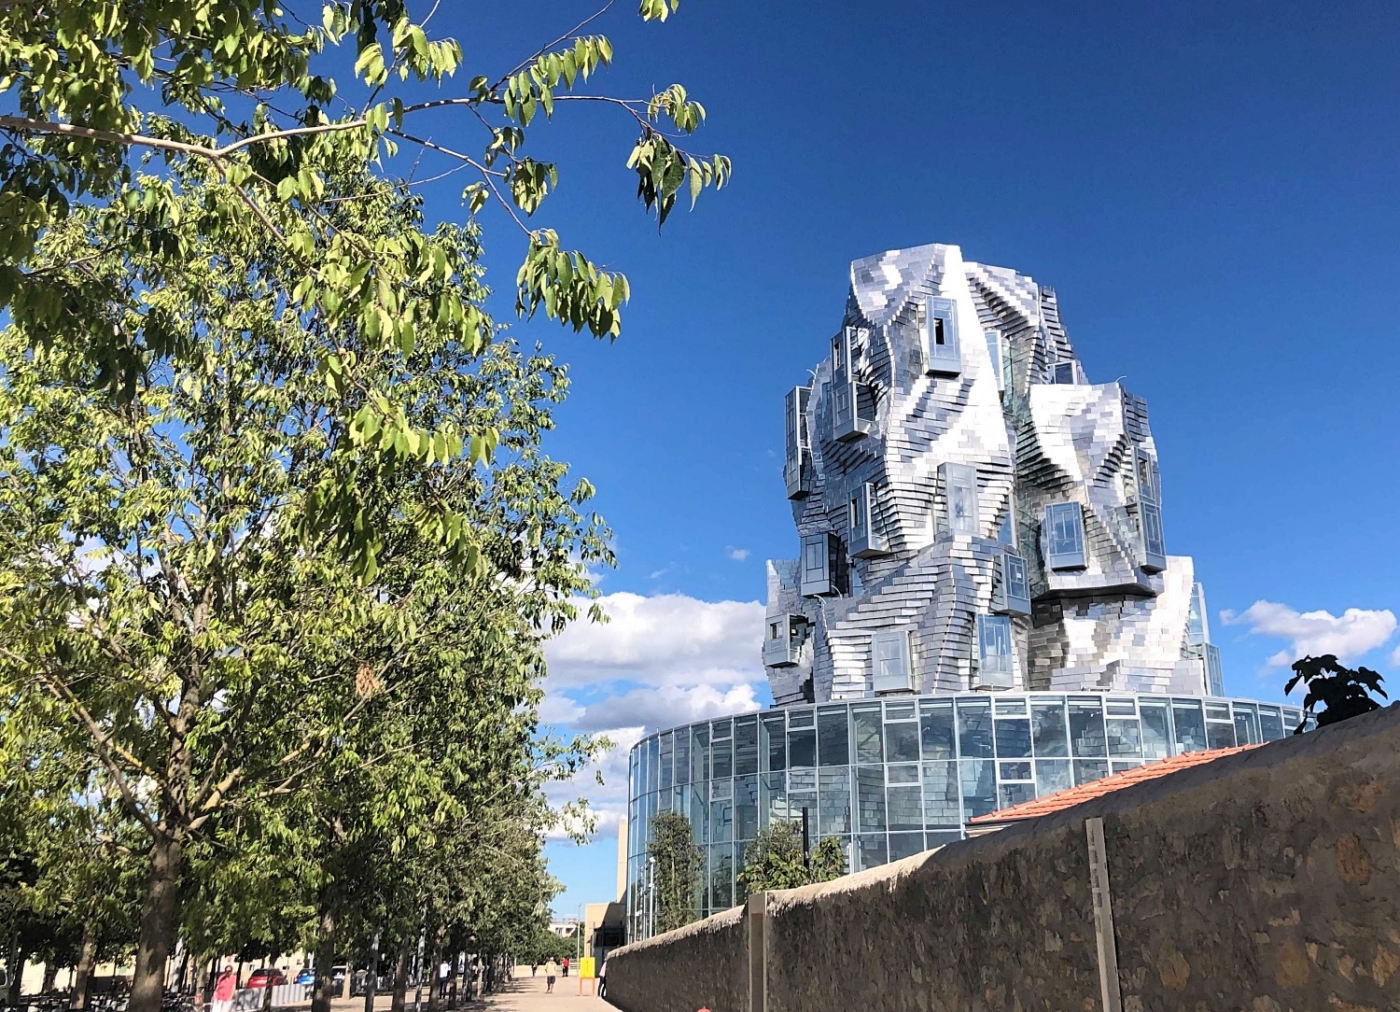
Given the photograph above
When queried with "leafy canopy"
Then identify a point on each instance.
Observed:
(1342, 691)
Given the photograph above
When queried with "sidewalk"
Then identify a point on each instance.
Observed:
(528, 995)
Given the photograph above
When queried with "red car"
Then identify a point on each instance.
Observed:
(271, 977)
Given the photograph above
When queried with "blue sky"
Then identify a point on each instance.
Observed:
(1209, 187)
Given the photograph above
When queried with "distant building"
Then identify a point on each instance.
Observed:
(982, 609)
(565, 928)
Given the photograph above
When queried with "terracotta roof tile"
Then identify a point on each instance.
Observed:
(1072, 796)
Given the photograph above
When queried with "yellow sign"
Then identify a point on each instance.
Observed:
(585, 967)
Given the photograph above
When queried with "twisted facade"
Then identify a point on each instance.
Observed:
(973, 512)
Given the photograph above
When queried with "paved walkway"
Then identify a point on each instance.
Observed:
(528, 995)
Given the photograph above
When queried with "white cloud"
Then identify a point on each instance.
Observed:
(737, 554)
(669, 639)
(660, 661)
(1354, 633)
(1395, 658)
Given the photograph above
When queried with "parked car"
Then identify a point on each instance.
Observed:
(305, 976)
(269, 977)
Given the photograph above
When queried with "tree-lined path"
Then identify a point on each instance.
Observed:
(527, 994)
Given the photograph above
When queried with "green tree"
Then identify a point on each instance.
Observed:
(170, 610)
(243, 92)
(774, 860)
(828, 860)
(1343, 692)
(678, 864)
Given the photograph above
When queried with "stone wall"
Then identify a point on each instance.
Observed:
(1267, 881)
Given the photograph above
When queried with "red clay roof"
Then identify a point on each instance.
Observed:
(1072, 796)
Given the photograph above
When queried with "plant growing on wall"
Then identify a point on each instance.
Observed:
(828, 860)
(774, 860)
(677, 870)
(1343, 691)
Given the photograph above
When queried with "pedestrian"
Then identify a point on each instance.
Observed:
(223, 990)
(603, 979)
(534, 969)
(551, 970)
(565, 964)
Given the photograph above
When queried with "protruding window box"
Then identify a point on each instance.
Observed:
(847, 422)
(940, 338)
(996, 662)
(1066, 374)
(782, 646)
(823, 565)
(797, 468)
(994, 352)
(867, 541)
(961, 514)
(1152, 552)
(1064, 536)
(1013, 594)
(891, 662)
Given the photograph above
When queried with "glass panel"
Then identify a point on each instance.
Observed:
(700, 815)
(1086, 730)
(1014, 794)
(979, 787)
(663, 800)
(773, 747)
(865, 720)
(936, 730)
(802, 748)
(699, 753)
(802, 780)
(932, 840)
(975, 728)
(1013, 738)
(906, 808)
(773, 802)
(834, 801)
(834, 746)
(1086, 770)
(745, 745)
(900, 711)
(1156, 731)
(721, 876)
(1048, 729)
(1246, 724)
(721, 811)
(994, 645)
(902, 742)
(797, 803)
(904, 845)
(1015, 771)
(801, 717)
(643, 768)
(1121, 707)
(871, 852)
(746, 807)
(1014, 706)
(1124, 738)
(1189, 725)
(1270, 723)
(1220, 734)
(1119, 767)
(666, 750)
(682, 757)
(722, 757)
(1052, 775)
(1064, 535)
(870, 799)
(1217, 711)
(905, 774)
(942, 806)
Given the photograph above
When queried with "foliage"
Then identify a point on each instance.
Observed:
(243, 92)
(1344, 692)
(169, 616)
(774, 860)
(545, 945)
(678, 865)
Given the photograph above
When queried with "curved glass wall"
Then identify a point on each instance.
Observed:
(893, 777)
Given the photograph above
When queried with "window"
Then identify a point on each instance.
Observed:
(959, 498)
(857, 514)
(838, 352)
(995, 664)
(1065, 373)
(994, 351)
(783, 645)
(1014, 597)
(1197, 627)
(1048, 729)
(867, 540)
(822, 565)
(1064, 536)
(940, 338)
(890, 655)
(797, 466)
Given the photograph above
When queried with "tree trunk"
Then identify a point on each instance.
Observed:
(87, 960)
(435, 981)
(50, 978)
(325, 958)
(400, 1001)
(157, 926)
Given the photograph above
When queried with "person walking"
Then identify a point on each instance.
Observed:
(565, 964)
(603, 979)
(534, 969)
(224, 988)
(551, 970)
